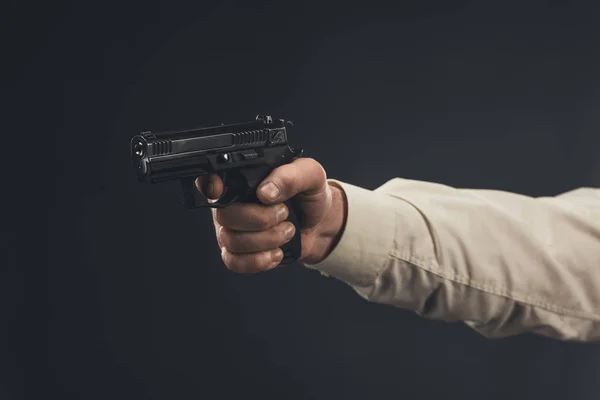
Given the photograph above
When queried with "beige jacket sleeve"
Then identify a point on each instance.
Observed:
(502, 263)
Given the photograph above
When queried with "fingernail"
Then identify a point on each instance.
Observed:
(270, 190)
(276, 255)
(282, 213)
(288, 233)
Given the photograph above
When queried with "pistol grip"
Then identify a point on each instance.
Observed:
(293, 249)
(241, 186)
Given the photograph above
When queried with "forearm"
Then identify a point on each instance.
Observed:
(500, 262)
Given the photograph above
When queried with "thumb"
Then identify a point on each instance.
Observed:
(305, 179)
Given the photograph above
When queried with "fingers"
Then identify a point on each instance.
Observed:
(251, 217)
(250, 234)
(211, 186)
(251, 262)
(250, 242)
(253, 252)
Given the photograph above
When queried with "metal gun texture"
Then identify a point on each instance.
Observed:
(242, 154)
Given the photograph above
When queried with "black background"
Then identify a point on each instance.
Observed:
(113, 291)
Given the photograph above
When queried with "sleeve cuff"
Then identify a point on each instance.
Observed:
(369, 236)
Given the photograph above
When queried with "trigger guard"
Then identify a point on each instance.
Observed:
(221, 203)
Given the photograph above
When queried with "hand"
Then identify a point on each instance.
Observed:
(250, 235)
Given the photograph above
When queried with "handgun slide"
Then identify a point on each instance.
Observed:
(194, 152)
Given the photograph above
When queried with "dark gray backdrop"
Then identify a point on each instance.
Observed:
(125, 295)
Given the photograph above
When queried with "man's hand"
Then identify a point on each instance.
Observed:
(250, 235)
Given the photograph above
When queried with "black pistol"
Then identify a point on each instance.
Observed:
(242, 154)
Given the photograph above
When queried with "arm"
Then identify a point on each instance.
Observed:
(502, 263)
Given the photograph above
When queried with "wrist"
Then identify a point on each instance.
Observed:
(328, 233)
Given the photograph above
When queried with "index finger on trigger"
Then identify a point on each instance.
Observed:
(211, 186)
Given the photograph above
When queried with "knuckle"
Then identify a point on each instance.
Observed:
(247, 263)
(291, 175)
(246, 217)
(218, 230)
(262, 218)
(261, 260)
(311, 161)
(237, 244)
(226, 257)
(285, 177)
(233, 263)
(230, 215)
(264, 223)
(220, 216)
(319, 172)
(223, 237)
(315, 167)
